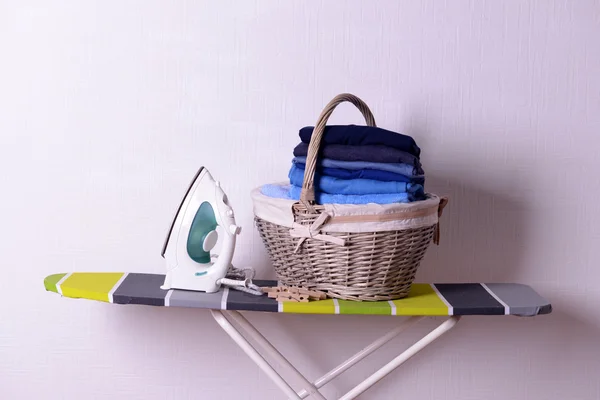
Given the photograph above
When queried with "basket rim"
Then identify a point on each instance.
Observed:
(351, 217)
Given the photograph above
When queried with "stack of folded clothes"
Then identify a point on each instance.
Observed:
(357, 165)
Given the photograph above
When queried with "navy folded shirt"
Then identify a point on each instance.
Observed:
(360, 135)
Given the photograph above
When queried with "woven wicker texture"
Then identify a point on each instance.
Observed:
(371, 266)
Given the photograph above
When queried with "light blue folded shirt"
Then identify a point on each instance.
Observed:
(398, 168)
(292, 192)
(332, 185)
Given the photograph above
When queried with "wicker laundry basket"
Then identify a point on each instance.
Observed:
(354, 252)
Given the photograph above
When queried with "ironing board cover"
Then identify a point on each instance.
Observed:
(424, 299)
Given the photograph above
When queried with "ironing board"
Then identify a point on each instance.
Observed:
(451, 300)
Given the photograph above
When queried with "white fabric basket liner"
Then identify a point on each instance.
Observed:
(353, 218)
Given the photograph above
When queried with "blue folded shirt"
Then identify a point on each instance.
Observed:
(359, 135)
(397, 168)
(292, 192)
(331, 185)
(375, 174)
(373, 153)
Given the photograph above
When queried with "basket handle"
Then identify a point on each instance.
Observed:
(307, 194)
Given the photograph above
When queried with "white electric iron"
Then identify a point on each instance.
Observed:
(193, 234)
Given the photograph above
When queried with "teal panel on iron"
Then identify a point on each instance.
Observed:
(204, 223)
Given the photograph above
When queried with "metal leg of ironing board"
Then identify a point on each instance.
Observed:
(335, 372)
(248, 328)
(312, 389)
(402, 358)
(253, 354)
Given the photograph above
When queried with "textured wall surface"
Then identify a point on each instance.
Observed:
(107, 109)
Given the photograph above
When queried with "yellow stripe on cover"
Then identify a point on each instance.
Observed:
(365, 307)
(92, 286)
(421, 300)
(312, 307)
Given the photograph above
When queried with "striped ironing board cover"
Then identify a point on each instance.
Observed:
(424, 299)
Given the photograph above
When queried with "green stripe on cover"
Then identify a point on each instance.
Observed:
(422, 300)
(51, 280)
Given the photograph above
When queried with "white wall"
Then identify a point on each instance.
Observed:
(107, 108)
